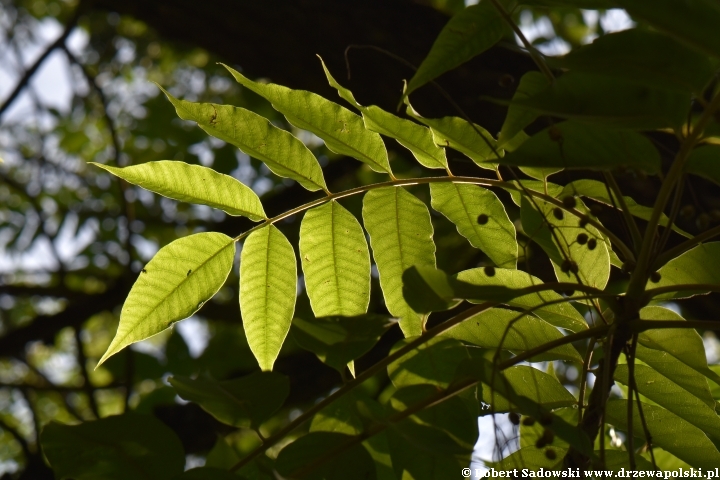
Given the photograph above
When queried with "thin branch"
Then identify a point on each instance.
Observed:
(23, 82)
(87, 384)
(629, 219)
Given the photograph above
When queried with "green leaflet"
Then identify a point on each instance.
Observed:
(530, 383)
(462, 204)
(338, 341)
(598, 191)
(353, 463)
(705, 161)
(458, 134)
(644, 57)
(340, 416)
(668, 431)
(178, 280)
(518, 118)
(572, 144)
(268, 286)
(432, 363)
(682, 343)
(678, 372)
(697, 266)
(409, 134)
(693, 22)
(335, 260)
(509, 330)
(242, 402)
(561, 315)
(284, 154)
(193, 184)
(669, 395)
(468, 33)
(601, 100)
(433, 441)
(401, 236)
(593, 265)
(342, 130)
(121, 447)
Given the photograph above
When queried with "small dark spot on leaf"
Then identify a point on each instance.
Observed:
(592, 243)
(550, 454)
(189, 272)
(514, 418)
(144, 271)
(583, 222)
(490, 271)
(482, 219)
(558, 213)
(582, 238)
(655, 277)
(566, 265)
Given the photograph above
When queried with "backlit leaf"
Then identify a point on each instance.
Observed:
(178, 280)
(463, 204)
(509, 330)
(193, 184)
(668, 431)
(694, 267)
(409, 134)
(432, 363)
(517, 117)
(335, 260)
(242, 402)
(401, 236)
(268, 286)
(561, 315)
(342, 130)
(468, 33)
(667, 394)
(284, 154)
(458, 134)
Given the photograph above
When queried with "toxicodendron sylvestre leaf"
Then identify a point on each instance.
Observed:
(336, 261)
(342, 130)
(193, 184)
(461, 135)
(464, 204)
(414, 137)
(401, 236)
(517, 117)
(285, 155)
(178, 280)
(268, 287)
(469, 33)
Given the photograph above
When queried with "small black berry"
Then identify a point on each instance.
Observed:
(482, 219)
(583, 222)
(514, 418)
(582, 238)
(558, 213)
(566, 266)
(550, 454)
(569, 201)
(574, 267)
(592, 243)
(655, 277)
(489, 271)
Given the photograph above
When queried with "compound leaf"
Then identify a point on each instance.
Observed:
(335, 260)
(284, 154)
(193, 184)
(268, 286)
(178, 280)
(694, 267)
